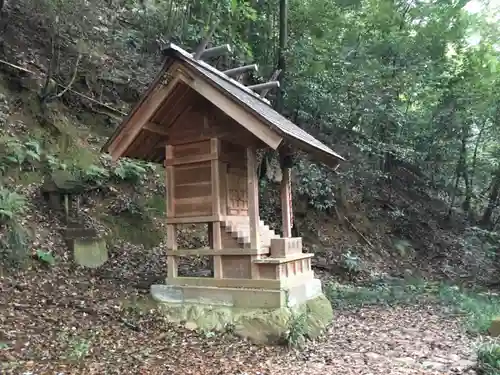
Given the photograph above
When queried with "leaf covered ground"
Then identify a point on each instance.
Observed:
(69, 320)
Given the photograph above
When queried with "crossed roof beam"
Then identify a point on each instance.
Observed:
(203, 53)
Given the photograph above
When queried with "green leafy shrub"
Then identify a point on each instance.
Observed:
(94, 174)
(315, 185)
(14, 242)
(18, 153)
(488, 359)
(53, 163)
(295, 335)
(79, 349)
(131, 171)
(351, 262)
(156, 204)
(479, 309)
(11, 205)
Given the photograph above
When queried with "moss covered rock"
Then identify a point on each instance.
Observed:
(266, 326)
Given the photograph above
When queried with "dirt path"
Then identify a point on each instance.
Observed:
(61, 321)
(379, 340)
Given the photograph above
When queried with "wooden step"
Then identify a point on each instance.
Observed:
(270, 260)
(239, 229)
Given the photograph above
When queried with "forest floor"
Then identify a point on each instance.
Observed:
(70, 320)
(69, 323)
(72, 326)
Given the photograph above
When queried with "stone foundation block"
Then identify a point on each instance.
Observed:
(283, 247)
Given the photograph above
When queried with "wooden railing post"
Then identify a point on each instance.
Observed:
(286, 203)
(253, 198)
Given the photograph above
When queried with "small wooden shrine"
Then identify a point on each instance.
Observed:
(205, 127)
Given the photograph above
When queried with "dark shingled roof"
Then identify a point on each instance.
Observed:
(252, 101)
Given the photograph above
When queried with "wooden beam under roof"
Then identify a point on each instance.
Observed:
(233, 72)
(155, 128)
(274, 77)
(203, 45)
(215, 51)
(264, 86)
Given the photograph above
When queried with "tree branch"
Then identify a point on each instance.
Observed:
(67, 88)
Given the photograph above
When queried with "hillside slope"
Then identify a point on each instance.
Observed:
(361, 223)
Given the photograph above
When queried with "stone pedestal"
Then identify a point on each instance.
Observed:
(220, 312)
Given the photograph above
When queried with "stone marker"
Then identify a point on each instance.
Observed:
(494, 329)
(90, 253)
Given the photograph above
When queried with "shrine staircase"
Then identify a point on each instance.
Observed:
(237, 233)
(276, 258)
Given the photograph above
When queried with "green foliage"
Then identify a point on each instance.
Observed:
(479, 308)
(131, 171)
(488, 359)
(351, 262)
(45, 257)
(157, 204)
(94, 174)
(381, 293)
(15, 152)
(78, 349)
(54, 163)
(295, 335)
(29, 154)
(14, 244)
(481, 241)
(315, 186)
(12, 204)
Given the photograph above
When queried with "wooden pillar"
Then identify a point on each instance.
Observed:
(215, 227)
(172, 266)
(253, 198)
(216, 244)
(171, 228)
(215, 167)
(286, 204)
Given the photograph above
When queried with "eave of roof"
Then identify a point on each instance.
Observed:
(252, 102)
(124, 122)
(242, 95)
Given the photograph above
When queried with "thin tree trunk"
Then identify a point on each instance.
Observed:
(492, 201)
(455, 189)
(474, 156)
(465, 172)
(283, 41)
(461, 172)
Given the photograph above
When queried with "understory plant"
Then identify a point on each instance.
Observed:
(14, 238)
(488, 359)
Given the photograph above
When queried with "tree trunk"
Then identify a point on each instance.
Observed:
(492, 201)
(283, 40)
(465, 171)
(462, 172)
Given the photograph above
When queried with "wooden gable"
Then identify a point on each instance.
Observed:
(181, 108)
(191, 100)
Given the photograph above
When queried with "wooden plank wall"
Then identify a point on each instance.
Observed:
(192, 179)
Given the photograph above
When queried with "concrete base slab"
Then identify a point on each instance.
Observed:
(262, 315)
(257, 324)
(238, 297)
